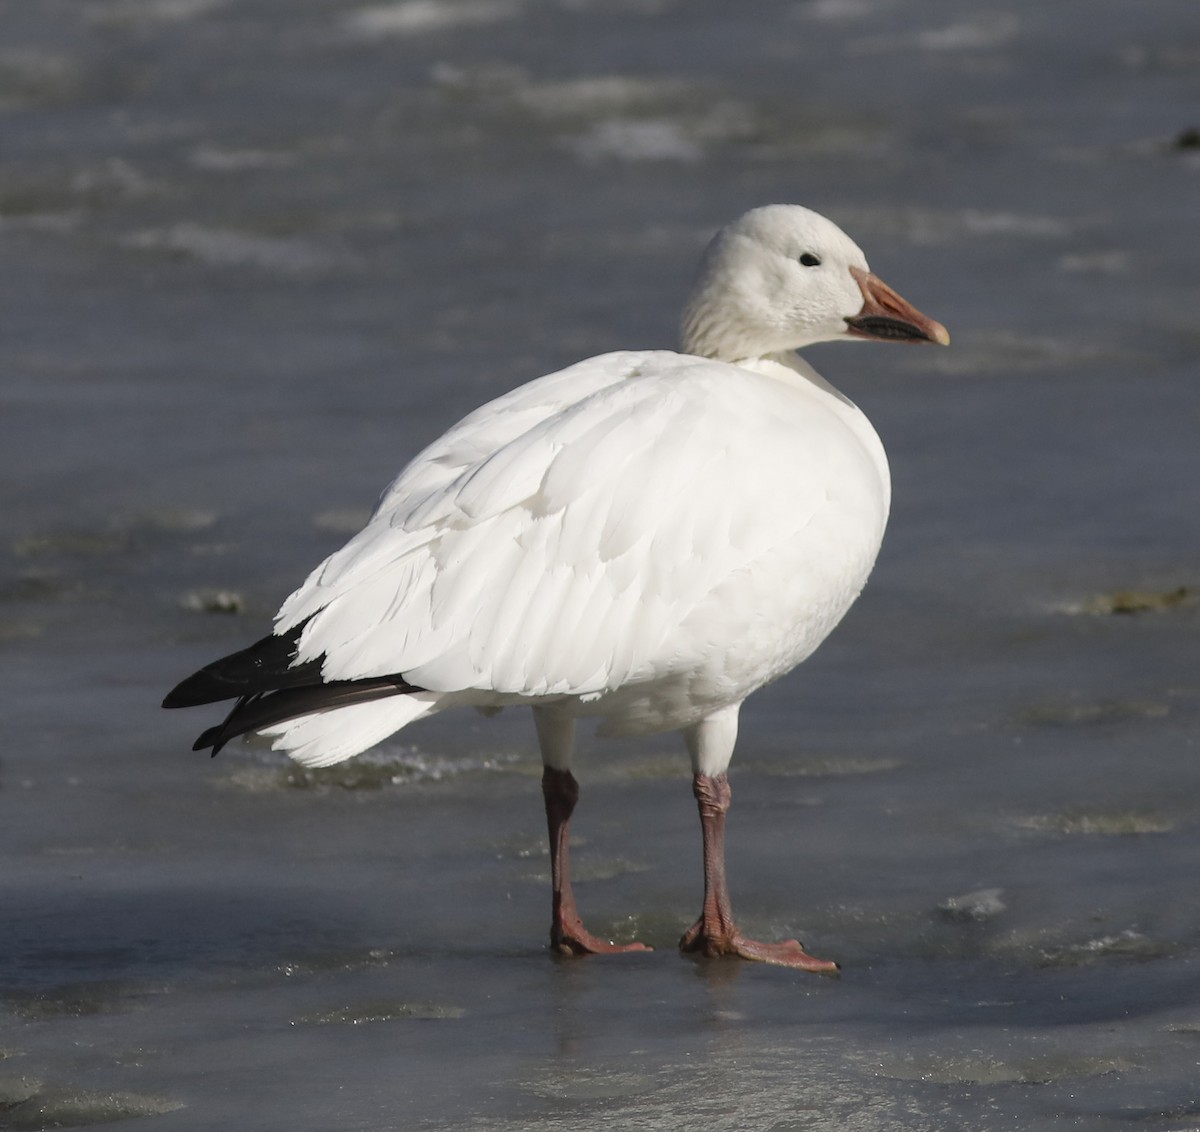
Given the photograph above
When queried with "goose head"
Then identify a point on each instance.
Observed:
(782, 277)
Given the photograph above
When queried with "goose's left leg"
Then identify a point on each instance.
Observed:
(710, 743)
(556, 736)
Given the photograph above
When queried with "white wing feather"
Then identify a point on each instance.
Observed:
(562, 539)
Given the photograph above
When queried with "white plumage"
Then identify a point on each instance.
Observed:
(654, 537)
(646, 537)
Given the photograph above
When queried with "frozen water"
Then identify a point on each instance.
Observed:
(255, 253)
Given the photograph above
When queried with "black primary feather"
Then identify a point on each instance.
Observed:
(260, 710)
(269, 688)
(264, 666)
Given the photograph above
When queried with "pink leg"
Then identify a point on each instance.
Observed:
(715, 933)
(567, 933)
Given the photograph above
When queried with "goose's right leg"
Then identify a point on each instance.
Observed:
(556, 735)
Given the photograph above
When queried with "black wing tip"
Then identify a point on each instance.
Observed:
(262, 710)
(207, 738)
(212, 737)
(208, 686)
(193, 692)
(267, 664)
(257, 710)
(202, 688)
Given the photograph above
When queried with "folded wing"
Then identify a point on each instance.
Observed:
(552, 542)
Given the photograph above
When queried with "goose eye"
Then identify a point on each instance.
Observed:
(810, 260)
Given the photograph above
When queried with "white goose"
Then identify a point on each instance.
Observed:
(646, 537)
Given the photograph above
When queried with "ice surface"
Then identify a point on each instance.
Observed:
(254, 254)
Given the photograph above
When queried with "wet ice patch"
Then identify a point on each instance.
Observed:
(178, 519)
(664, 767)
(834, 10)
(1130, 602)
(342, 520)
(1178, 147)
(359, 1014)
(595, 868)
(58, 223)
(601, 95)
(1074, 712)
(1003, 224)
(29, 196)
(826, 766)
(150, 11)
(590, 1083)
(217, 159)
(38, 78)
(686, 136)
(114, 178)
(1096, 263)
(82, 999)
(1191, 1029)
(1180, 55)
(985, 32)
(608, 7)
(982, 1068)
(939, 226)
(588, 97)
(41, 585)
(227, 247)
(625, 140)
(212, 601)
(74, 544)
(1188, 139)
(973, 907)
(338, 960)
(1007, 352)
(1111, 823)
(15, 630)
(376, 769)
(1128, 945)
(527, 848)
(614, 117)
(422, 17)
(748, 1083)
(58, 201)
(30, 1104)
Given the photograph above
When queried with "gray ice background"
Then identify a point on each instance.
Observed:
(255, 253)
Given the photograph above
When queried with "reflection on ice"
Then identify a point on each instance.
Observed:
(389, 765)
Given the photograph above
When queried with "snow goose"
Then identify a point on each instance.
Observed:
(645, 537)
